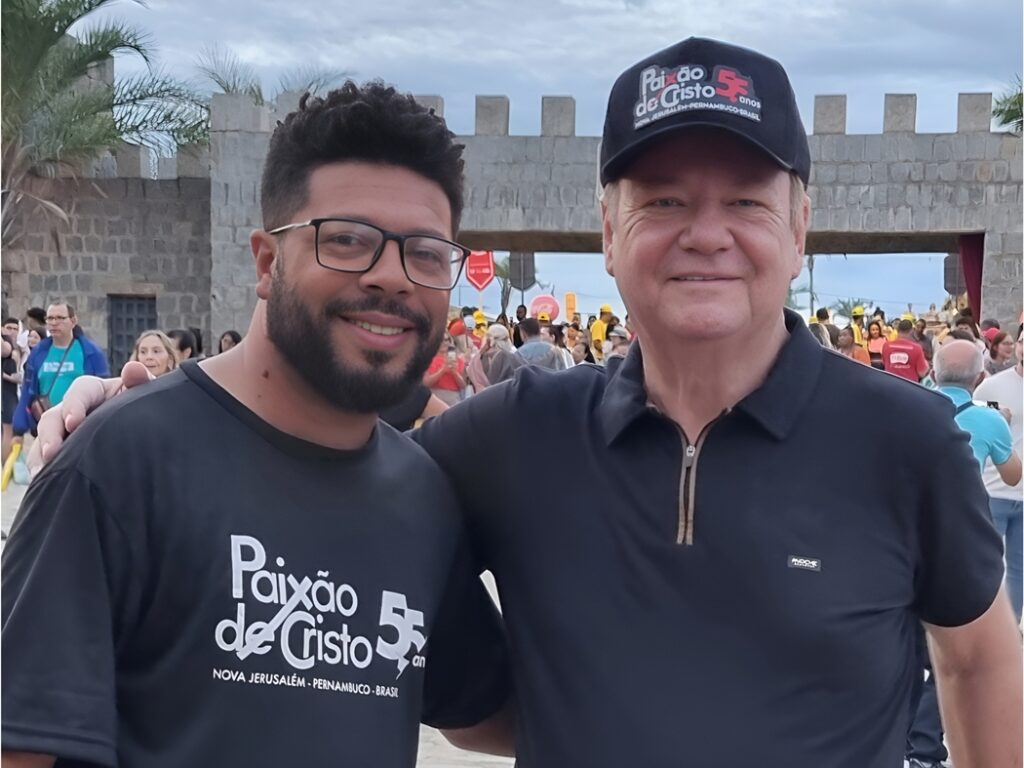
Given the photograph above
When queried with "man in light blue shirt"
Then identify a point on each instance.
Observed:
(958, 370)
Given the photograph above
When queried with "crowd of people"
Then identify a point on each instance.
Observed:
(47, 349)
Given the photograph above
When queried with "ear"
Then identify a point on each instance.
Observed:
(803, 222)
(607, 237)
(264, 251)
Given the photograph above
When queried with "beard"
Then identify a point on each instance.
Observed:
(299, 335)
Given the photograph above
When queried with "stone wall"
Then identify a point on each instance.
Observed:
(897, 191)
(126, 236)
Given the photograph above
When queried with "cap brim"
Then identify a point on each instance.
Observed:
(617, 165)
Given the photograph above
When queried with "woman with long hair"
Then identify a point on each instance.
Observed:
(156, 351)
(876, 342)
(227, 340)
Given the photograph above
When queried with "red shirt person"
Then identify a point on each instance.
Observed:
(903, 356)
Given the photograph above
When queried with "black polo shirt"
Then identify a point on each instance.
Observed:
(759, 608)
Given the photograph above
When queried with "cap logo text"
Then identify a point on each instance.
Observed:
(666, 91)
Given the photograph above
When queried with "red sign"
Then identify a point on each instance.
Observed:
(480, 269)
(545, 303)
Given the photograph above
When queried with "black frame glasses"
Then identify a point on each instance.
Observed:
(386, 236)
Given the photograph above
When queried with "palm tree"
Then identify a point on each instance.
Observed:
(1008, 108)
(58, 112)
(844, 307)
(504, 282)
(791, 294)
(229, 74)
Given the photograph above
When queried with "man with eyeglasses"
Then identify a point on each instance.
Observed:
(64, 355)
(308, 596)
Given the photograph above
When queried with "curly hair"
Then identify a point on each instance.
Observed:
(372, 123)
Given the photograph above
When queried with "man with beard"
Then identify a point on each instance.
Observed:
(283, 608)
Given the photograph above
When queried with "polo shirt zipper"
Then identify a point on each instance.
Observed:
(688, 485)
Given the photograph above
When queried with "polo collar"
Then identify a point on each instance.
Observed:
(776, 405)
(958, 395)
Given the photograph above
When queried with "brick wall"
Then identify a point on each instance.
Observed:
(147, 237)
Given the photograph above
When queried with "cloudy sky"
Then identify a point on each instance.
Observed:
(527, 49)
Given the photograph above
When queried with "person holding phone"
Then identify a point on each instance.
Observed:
(446, 376)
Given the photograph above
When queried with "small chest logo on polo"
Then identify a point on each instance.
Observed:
(805, 563)
(311, 624)
(666, 91)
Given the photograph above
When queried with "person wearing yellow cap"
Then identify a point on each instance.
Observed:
(599, 331)
(857, 326)
(480, 327)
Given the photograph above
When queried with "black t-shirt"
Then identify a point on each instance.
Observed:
(784, 633)
(230, 595)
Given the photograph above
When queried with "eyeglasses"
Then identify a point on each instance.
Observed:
(347, 245)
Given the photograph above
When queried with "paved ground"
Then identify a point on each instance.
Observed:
(435, 752)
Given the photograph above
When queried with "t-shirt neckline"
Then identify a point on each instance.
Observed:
(290, 444)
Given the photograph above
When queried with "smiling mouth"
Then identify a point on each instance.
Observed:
(701, 279)
(381, 330)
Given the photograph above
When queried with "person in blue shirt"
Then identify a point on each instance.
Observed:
(959, 368)
(55, 362)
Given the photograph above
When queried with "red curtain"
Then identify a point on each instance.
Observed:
(972, 255)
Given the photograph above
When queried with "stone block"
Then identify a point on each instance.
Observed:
(285, 103)
(133, 161)
(238, 112)
(900, 113)
(193, 161)
(830, 114)
(431, 101)
(167, 167)
(974, 112)
(492, 116)
(558, 116)
(873, 148)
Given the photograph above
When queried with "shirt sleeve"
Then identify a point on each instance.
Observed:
(467, 674)
(64, 569)
(1000, 440)
(961, 555)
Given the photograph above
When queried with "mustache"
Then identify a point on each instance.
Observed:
(384, 306)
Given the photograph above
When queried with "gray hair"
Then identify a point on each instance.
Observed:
(958, 364)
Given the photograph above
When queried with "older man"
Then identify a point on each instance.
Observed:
(701, 599)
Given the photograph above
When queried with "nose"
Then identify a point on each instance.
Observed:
(387, 274)
(706, 231)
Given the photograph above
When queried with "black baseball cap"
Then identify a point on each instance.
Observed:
(701, 82)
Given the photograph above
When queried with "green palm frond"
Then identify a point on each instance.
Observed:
(310, 78)
(160, 112)
(58, 107)
(229, 73)
(1009, 108)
